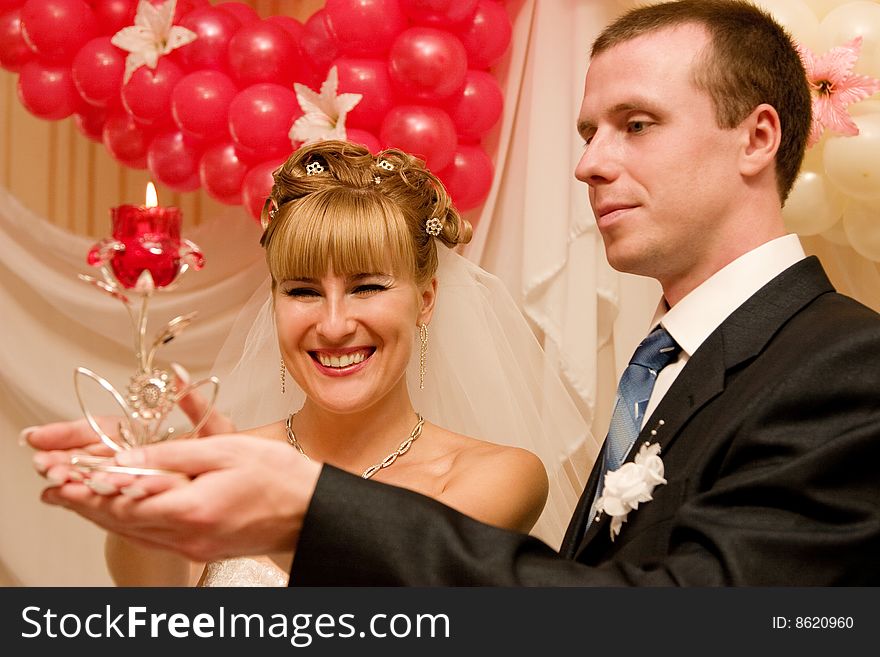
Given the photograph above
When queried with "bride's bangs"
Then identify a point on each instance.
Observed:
(345, 230)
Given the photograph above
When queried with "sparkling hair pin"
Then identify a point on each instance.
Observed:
(313, 168)
(385, 164)
(433, 226)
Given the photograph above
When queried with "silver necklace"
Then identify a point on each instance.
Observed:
(402, 449)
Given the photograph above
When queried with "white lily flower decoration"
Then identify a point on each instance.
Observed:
(151, 36)
(324, 113)
(630, 485)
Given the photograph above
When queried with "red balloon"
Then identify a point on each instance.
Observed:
(487, 35)
(477, 108)
(260, 118)
(57, 29)
(90, 122)
(319, 49)
(290, 25)
(174, 161)
(370, 78)
(113, 15)
(200, 104)
(364, 138)
(365, 27)
(14, 50)
(244, 13)
(222, 172)
(126, 140)
(438, 13)
(183, 7)
(263, 52)
(257, 185)
(97, 71)
(147, 94)
(47, 90)
(214, 29)
(426, 132)
(469, 177)
(427, 63)
(10, 4)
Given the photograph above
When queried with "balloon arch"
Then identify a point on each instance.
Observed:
(204, 95)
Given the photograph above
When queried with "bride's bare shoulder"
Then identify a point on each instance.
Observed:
(502, 485)
(273, 431)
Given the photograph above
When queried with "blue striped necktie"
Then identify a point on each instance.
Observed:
(633, 392)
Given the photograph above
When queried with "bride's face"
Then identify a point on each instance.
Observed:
(347, 340)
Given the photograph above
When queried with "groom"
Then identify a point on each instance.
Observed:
(759, 384)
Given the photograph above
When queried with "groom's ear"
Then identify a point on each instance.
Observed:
(427, 298)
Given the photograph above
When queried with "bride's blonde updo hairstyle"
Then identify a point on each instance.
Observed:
(334, 205)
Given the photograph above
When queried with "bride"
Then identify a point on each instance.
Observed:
(376, 349)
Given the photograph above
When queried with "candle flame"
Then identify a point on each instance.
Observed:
(152, 197)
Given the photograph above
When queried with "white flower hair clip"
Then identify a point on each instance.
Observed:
(630, 485)
(433, 226)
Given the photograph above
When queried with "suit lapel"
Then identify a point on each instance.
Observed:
(740, 338)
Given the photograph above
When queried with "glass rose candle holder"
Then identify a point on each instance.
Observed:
(145, 254)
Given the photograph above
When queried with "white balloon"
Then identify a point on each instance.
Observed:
(851, 20)
(861, 222)
(796, 17)
(813, 206)
(853, 163)
(836, 235)
(822, 7)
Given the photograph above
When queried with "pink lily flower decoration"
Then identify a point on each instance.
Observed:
(834, 86)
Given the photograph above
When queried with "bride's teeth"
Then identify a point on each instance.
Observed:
(342, 361)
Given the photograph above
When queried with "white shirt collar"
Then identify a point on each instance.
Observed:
(697, 315)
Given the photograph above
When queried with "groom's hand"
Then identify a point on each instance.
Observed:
(244, 495)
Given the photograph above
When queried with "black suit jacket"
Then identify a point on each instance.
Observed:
(771, 446)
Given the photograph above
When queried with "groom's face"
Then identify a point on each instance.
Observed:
(657, 164)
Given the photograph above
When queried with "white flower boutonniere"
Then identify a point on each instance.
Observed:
(631, 484)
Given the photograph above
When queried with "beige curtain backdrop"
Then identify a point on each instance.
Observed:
(535, 231)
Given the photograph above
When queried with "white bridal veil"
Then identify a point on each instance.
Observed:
(486, 377)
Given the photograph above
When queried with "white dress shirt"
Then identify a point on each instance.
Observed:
(697, 315)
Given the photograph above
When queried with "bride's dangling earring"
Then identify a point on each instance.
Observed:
(283, 372)
(423, 354)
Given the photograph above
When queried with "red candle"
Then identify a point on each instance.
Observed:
(147, 238)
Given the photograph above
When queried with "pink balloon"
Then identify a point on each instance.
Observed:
(427, 63)
(469, 177)
(426, 132)
(47, 90)
(487, 35)
(364, 138)
(97, 71)
(57, 29)
(263, 52)
(438, 13)
(126, 140)
(174, 161)
(477, 108)
(365, 27)
(214, 29)
(113, 15)
(257, 185)
(260, 118)
(200, 104)
(370, 78)
(14, 50)
(147, 95)
(90, 122)
(244, 13)
(222, 172)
